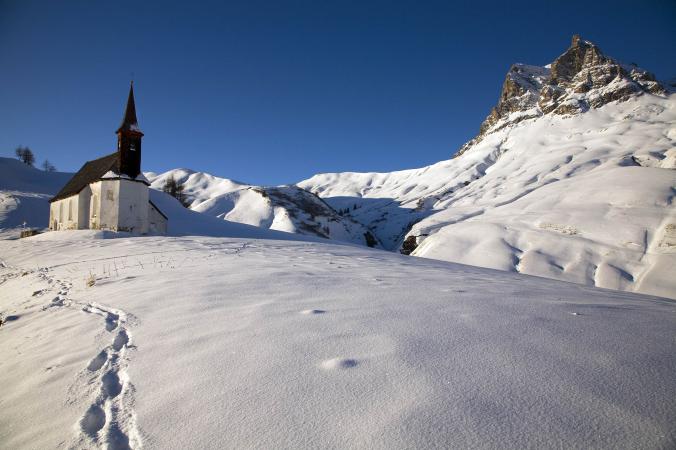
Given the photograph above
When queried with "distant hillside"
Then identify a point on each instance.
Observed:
(25, 193)
(283, 208)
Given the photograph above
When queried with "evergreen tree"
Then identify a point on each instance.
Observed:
(48, 167)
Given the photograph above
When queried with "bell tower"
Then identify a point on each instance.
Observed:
(129, 137)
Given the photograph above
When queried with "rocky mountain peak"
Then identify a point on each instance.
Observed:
(580, 79)
(580, 54)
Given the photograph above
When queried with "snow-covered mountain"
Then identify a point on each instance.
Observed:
(571, 177)
(283, 208)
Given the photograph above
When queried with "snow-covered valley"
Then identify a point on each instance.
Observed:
(198, 342)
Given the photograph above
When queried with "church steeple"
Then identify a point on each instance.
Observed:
(129, 121)
(129, 139)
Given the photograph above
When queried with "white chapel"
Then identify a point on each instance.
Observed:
(110, 193)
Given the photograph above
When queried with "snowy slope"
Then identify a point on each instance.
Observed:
(283, 208)
(239, 343)
(25, 193)
(582, 194)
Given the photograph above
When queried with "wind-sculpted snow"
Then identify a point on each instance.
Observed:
(195, 342)
(586, 198)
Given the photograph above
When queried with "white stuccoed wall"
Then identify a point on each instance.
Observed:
(83, 203)
(118, 205)
(133, 206)
(59, 212)
(157, 222)
(95, 205)
(108, 193)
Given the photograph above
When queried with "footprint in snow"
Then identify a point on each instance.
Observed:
(98, 361)
(112, 321)
(93, 420)
(111, 384)
(121, 340)
(339, 363)
(309, 312)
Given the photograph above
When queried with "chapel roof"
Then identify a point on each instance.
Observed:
(90, 172)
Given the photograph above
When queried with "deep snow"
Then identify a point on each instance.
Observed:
(586, 198)
(197, 342)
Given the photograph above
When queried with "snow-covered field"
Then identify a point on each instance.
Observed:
(203, 342)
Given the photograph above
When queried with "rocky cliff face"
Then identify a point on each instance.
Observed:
(580, 79)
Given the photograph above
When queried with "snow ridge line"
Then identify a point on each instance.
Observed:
(109, 421)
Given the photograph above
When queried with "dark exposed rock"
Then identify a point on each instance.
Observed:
(409, 245)
(583, 77)
(580, 79)
(370, 240)
(520, 92)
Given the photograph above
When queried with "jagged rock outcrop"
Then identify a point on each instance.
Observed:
(580, 79)
(519, 95)
(583, 77)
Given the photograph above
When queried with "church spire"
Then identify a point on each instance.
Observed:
(129, 137)
(130, 122)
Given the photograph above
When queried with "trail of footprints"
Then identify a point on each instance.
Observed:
(109, 421)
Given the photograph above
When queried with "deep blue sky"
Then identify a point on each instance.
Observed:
(273, 92)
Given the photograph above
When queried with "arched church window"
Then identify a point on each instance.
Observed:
(132, 147)
(60, 211)
(70, 209)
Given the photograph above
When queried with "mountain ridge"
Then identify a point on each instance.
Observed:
(557, 129)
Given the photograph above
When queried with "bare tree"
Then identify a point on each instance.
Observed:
(48, 167)
(175, 189)
(25, 155)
